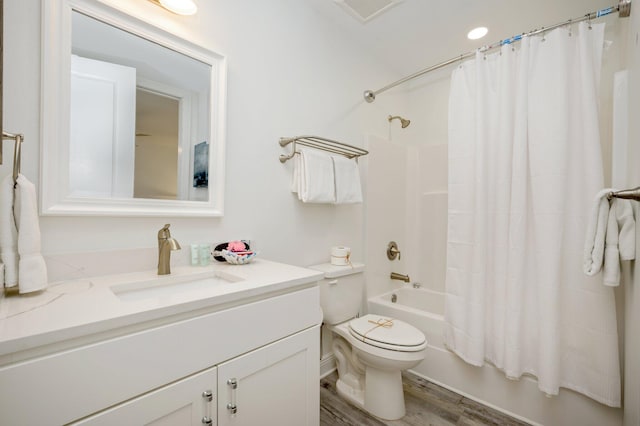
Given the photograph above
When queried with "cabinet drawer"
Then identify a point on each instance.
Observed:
(75, 383)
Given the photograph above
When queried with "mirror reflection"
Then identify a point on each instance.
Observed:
(139, 117)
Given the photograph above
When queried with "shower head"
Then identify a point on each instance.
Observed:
(403, 121)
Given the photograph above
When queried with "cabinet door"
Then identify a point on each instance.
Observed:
(187, 402)
(277, 384)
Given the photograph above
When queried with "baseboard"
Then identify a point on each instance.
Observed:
(327, 365)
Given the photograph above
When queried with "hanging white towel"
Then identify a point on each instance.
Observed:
(347, 176)
(295, 176)
(32, 270)
(595, 235)
(316, 181)
(627, 230)
(619, 241)
(8, 234)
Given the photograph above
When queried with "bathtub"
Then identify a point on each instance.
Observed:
(420, 307)
(424, 309)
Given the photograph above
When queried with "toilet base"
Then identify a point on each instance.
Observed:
(382, 396)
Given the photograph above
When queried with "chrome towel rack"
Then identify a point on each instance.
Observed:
(627, 194)
(322, 144)
(17, 152)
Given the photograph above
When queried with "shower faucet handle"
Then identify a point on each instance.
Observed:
(392, 251)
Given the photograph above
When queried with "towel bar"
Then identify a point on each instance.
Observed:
(627, 194)
(322, 144)
(18, 138)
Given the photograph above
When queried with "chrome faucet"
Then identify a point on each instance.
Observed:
(400, 277)
(165, 245)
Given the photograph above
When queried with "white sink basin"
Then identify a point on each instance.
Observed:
(169, 285)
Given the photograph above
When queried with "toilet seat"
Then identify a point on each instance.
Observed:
(387, 333)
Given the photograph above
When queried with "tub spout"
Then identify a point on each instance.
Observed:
(400, 277)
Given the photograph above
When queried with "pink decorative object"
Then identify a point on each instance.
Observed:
(236, 246)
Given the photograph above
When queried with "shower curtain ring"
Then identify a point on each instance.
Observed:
(589, 20)
(544, 34)
(570, 27)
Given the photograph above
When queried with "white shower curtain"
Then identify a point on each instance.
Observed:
(524, 165)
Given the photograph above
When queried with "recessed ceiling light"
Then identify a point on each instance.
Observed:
(477, 33)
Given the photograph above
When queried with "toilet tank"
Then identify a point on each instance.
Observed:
(341, 291)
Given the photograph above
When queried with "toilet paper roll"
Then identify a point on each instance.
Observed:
(340, 256)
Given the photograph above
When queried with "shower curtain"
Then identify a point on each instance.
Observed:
(524, 165)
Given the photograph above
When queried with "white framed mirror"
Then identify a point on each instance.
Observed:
(133, 117)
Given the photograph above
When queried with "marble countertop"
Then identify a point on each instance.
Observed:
(81, 307)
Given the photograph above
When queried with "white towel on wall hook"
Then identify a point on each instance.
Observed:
(8, 234)
(32, 270)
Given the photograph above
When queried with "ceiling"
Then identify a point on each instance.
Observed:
(416, 34)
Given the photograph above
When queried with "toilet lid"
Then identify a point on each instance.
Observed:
(387, 333)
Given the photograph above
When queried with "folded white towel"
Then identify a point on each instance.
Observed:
(316, 182)
(295, 176)
(8, 233)
(32, 270)
(626, 230)
(595, 233)
(347, 175)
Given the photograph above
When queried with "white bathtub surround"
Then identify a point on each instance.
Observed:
(524, 159)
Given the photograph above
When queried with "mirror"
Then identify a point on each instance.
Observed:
(132, 118)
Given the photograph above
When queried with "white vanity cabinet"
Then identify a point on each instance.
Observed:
(275, 385)
(156, 372)
(188, 402)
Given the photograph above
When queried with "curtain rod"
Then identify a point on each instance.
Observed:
(623, 8)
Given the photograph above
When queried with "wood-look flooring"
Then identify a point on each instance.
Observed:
(427, 404)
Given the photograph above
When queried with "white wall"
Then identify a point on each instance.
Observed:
(290, 73)
(632, 287)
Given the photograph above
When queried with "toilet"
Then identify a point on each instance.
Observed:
(370, 351)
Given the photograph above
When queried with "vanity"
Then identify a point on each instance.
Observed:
(216, 345)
